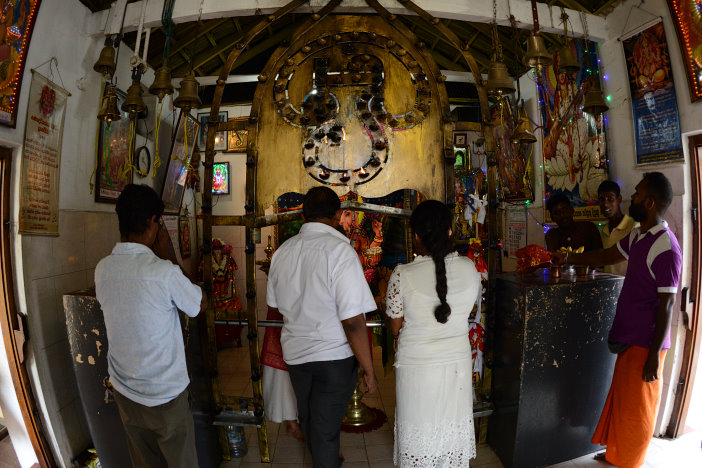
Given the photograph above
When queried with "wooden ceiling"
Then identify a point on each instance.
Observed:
(204, 45)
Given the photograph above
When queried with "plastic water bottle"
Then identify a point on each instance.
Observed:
(236, 439)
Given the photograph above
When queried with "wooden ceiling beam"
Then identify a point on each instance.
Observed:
(606, 6)
(208, 26)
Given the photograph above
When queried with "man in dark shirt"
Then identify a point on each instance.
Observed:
(569, 233)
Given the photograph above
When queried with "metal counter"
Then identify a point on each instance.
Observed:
(551, 365)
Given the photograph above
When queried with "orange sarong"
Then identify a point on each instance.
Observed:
(629, 414)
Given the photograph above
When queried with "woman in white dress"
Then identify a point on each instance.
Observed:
(428, 302)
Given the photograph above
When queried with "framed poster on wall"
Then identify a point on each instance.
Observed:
(184, 140)
(653, 99)
(112, 156)
(220, 137)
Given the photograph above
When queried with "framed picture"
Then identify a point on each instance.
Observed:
(184, 139)
(220, 178)
(184, 236)
(460, 139)
(238, 138)
(112, 152)
(220, 137)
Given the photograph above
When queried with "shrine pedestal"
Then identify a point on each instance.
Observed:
(552, 367)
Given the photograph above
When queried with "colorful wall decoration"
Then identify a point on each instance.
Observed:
(17, 18)
(687, 16)
(653, 99)
(574, 143)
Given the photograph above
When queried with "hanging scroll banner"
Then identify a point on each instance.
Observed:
(41, 157)
(653, 100)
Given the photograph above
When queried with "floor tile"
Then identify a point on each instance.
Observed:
(379, 452)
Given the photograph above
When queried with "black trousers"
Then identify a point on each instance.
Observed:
(323, 390)
(159, 436)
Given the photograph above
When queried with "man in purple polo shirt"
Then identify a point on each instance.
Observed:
(640, 334)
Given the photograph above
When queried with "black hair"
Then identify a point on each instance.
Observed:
(135, 206)
(431, 221)
(609, 186)
(659, 189)
(320, 203)
(555, 200)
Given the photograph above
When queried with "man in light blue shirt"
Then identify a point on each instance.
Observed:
(140, 288)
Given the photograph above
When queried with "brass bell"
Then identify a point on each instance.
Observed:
(187, 97)
(567, 63)
(537, 55)
(594, 103)
(162, 85)
(523, 133)
(109, 111)
(499, 81)
(105, 64)
(134, 104)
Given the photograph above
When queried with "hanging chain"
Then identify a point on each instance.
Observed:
(495, 36)
(564, 19)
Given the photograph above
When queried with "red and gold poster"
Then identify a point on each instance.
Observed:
(41, 157)
(687, 16)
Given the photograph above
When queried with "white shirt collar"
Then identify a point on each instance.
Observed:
(130, 248)
(321, 227)
(658, 227)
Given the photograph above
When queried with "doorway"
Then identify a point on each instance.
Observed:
(687, 407)
(13, 324)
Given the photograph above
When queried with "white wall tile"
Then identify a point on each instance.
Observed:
(45, 327)
(69, 247)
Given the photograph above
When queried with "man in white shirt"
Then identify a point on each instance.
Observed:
(140, 289)
(316, 282)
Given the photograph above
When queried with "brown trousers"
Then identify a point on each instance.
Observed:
(159, 436)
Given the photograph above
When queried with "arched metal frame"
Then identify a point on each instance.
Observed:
(251, 221)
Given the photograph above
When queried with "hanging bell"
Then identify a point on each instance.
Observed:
(567, 63)
(523, 133)
(162, 85)
(187, 96)
(134, 104)
(537, 55)
(594, 103)
(499, 82)
(105, 64)
(108, 110)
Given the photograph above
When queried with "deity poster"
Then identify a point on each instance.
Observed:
(574, 143)
(653, 100)
(41, 157)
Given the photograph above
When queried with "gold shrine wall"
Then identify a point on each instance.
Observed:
(414, 155)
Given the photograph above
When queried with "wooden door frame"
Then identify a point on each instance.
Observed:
(690, 300)
(14, 325)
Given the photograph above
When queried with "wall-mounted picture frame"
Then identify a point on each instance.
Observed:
(184, 237)
(220, 178)
(239, 136)
(184, 139)
(112, 155)
(460, 139)
(221, 142)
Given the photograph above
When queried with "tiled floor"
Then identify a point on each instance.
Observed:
(8, 458)
(374, 449)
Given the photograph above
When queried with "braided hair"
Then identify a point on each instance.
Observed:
(431, 221)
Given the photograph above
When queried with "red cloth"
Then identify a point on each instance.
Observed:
(629, 413)
(272, 353)
(531, 257)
